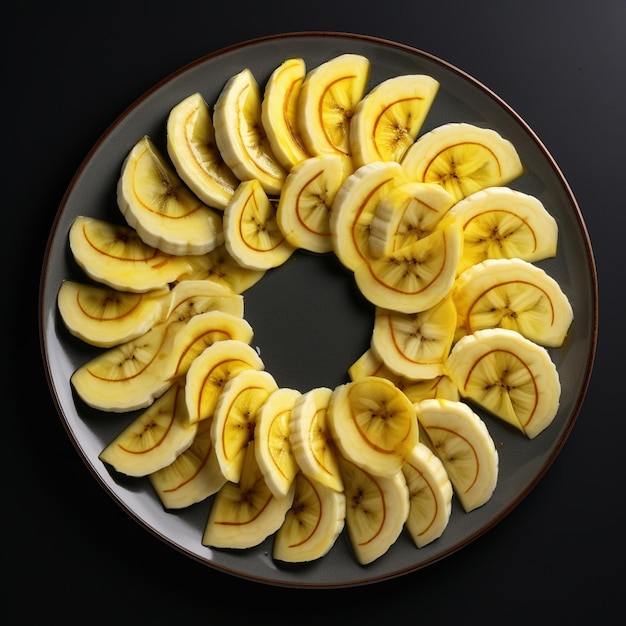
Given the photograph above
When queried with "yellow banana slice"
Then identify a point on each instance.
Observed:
(191, 147)
(513, 294)
(193, 476)
(244, 514)
(463, 159)
(106, 317)
(430, 495)
(500, 222)
(416, 277)
(354, 206)
(271, 438)
(234, 418)
(508, 375)
(312, 524)
(377, 508)
(388, 118)
(114, 255)
(328, 98)
(311, 440)
(373, 424)
(415, 345)
(154, 439)
(307, 199)
(210, 371)
(463, 444)
(406, 214)
(161, 208)
(240, 135)
(279, 112)
(190, 297)
(252, 235)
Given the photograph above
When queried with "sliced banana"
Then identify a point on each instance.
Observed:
(388, 118)
(190, 297)
(161, 208)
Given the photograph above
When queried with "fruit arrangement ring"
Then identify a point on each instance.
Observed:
(436, 241)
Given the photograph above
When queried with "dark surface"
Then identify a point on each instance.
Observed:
(71, 551)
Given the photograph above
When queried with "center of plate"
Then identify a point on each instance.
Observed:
(310, 321)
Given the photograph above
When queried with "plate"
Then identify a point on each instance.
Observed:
(310, 322)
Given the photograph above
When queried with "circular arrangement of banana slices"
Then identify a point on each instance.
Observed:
(436, 241)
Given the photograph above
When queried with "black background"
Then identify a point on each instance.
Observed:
(69, 551)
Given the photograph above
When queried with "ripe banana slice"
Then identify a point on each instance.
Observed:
(328, 98)
(193, 476)
(271, 438)
(463, 159)
(244, 514)
(240, 135)
(312, 524)
(279, 112)
(508, 375)
(190, 297)
(106, 317)
(415, 345)
(311, 440)
(354, 206)
(234, 418)
(430, 495)
(252, 235)
(406, 214)
(114, 255)
(500, 222)
(161, 208)
(373, 423)
(463, 444)
(416, 277)
(513, 294)
(191, 147)
(211, 370)
(377, 508)
(154, 439)
(307, 199)
(387, 119)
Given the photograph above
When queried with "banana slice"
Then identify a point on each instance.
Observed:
(463, 444)
(240, 135)
(307, 199)
(154, 439)
(463, 159)
(161, 208)
(430, 495)
(415, 345)
(234, 418)
(271, 438)
(328, 98)
(191, 147)
(210, 371)
(513, 294)
(312, 524)
(500, 222)
(279, 112)
(416, 277)
(373, 424)
(114, 255)
(387, 119)
(311, 440)
(508, 375)
(377, 508)
(252, 235)
(354, 206)
(244, 514)
(406, 214)
(105, 317)
(193, 476)
(190, 297)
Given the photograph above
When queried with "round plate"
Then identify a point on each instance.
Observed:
(310, 321)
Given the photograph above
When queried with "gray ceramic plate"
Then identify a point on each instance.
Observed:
(310, 321)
